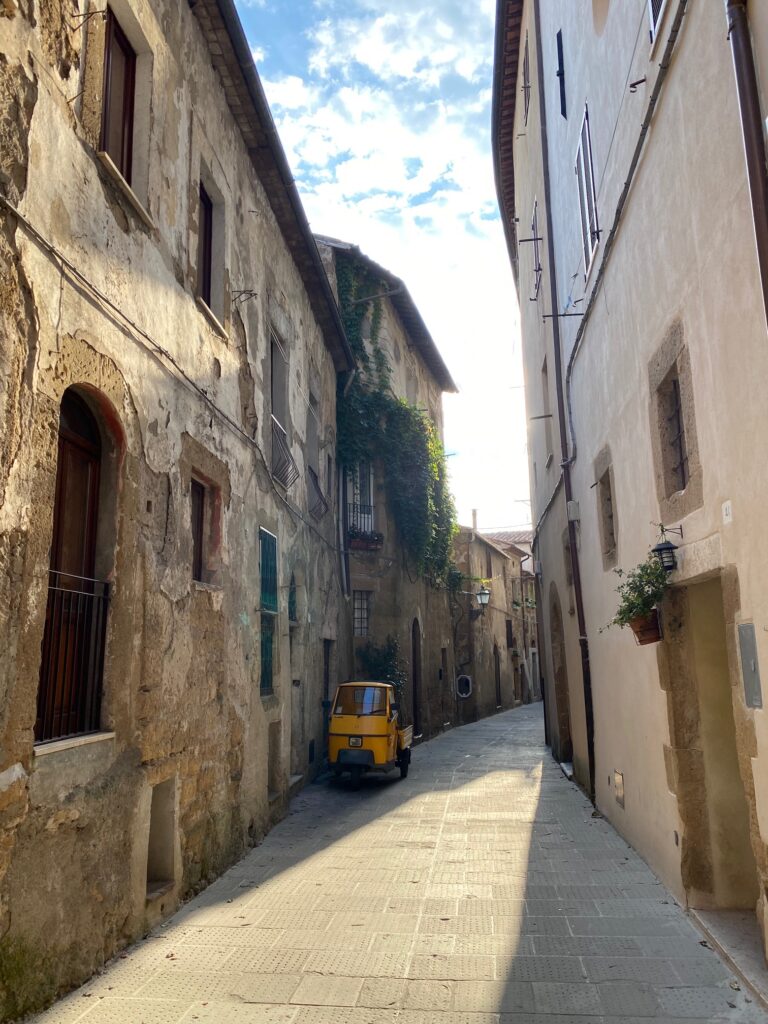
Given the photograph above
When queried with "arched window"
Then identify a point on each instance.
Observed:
(69, 695)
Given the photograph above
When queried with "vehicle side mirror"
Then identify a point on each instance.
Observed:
(394, 708)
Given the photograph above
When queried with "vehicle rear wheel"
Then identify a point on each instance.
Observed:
(403, 771)
(355, 775)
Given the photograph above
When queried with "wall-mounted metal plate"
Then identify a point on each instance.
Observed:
(750, 670)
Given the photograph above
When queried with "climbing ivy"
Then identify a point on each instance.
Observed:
(374, 425)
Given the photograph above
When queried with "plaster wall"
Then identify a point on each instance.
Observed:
(544, 452)
(174, 390)
(683, 261)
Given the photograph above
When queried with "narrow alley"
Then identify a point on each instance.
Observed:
(481, 889)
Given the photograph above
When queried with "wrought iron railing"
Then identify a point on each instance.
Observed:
(360, 517)
(318, 506)
(72, 664)
(284, 468)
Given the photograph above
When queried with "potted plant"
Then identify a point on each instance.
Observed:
(641, 590)
(364, 540)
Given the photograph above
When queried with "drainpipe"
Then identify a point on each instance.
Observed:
(752, 130)
(564, 461)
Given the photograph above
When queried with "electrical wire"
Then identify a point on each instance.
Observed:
(161, 354)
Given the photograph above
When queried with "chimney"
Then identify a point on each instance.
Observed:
(474, 520)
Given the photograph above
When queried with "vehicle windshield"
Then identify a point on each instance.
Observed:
(361, 700)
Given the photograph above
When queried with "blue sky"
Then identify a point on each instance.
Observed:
(384, 113)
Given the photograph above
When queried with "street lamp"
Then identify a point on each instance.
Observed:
(483, 597)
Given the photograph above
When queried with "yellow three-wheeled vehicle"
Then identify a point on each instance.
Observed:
(364, 732)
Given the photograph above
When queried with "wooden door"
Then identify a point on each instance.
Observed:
(67, 696)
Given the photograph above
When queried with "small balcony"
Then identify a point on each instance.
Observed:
(284, 468)
(359, 518)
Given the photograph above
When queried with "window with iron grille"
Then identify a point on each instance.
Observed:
(361, 609)
(585, 179)
(510, 634)
(655, 11)
(266, 679)
(526, 81)
(268, 569)
(360, 498)
(536, 252)
(672, 423)
(119, 89)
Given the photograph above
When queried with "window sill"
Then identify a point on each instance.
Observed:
(70, 742)
(125, 188)
(209, 588)
(211, 317)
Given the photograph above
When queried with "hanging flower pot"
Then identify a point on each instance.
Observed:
(647, 628)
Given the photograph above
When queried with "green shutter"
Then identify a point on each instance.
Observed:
(268, 563)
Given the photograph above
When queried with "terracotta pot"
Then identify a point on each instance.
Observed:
(647, 628)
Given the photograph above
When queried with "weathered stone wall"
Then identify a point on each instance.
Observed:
(99, 295)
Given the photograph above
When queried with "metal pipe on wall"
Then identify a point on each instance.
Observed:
(751, 129)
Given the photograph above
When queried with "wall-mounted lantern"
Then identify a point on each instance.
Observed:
(483, 597)
(665, 549)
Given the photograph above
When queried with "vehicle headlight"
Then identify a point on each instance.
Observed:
(355, 741)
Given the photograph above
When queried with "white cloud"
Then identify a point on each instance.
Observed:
(258, 53)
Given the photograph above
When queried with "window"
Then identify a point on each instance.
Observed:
(361, 608)
(546, 414)
(488, 564)
(204, 246)
(510, 634)
(293, 615)
(526, 81)
(197, 504)
(561, 73)
(606, 517)
(268, 570)
(674, 451)
(119, 89)
(284, 468)
(74, 638)
(360, 498)
(585, 177)
(537, 271)
(269, 607)
(655, 11)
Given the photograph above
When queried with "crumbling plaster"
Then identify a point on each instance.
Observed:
(172, 392)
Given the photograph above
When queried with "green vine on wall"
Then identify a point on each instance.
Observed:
(376, 426)
(383, 663)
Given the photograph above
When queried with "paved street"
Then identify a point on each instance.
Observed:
(478, 891)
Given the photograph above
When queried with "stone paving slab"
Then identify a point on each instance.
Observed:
(478, 891)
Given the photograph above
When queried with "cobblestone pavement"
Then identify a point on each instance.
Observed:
(478, 891)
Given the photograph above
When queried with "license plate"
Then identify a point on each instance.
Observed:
(355, 741)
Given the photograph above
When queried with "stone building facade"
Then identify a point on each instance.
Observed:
(388, 597)
(170, 580)
(627, 195)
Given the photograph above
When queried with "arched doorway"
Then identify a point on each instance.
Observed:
(416, 675)
(562, 744)
(497, 673)
(69, 695)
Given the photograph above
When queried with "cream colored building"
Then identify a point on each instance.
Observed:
(170, 584)
(623, 184)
